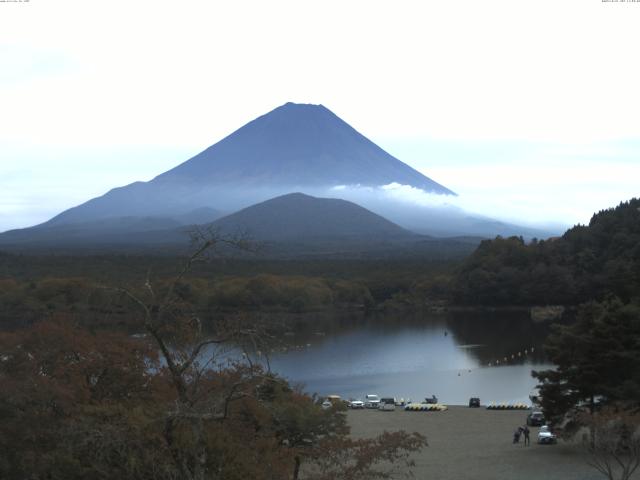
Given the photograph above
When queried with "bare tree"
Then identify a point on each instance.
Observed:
(188, 351)
(613, 445)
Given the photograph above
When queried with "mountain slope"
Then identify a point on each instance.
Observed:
(298, 145)
(127, 230)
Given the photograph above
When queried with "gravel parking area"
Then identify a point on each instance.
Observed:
(476, 443)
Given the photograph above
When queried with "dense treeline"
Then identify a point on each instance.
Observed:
(293, 293)
(586, 263)
(110, 267)
(36, 287)
(92, 303)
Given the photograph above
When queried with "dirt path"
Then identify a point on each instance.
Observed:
(475, 444)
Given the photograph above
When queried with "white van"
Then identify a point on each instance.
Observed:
(387, 404)
(371, 401)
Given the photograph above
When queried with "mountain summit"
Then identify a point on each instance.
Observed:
(299, 145)
(296, 147)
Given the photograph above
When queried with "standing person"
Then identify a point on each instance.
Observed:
(527, 440)
(516, 435)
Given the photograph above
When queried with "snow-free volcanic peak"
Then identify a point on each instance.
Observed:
(295, 147)
(300, 145)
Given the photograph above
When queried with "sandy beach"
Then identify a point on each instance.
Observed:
(476, 443)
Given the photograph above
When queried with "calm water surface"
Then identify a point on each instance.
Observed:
(451, 356)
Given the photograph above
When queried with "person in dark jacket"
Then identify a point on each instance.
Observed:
(526, 432)
(516, 435)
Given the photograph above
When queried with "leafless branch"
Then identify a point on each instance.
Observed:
(196, 351)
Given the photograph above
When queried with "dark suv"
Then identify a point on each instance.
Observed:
(535, 419)
(474, 402)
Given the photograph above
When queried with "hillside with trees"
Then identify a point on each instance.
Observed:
(587, 263)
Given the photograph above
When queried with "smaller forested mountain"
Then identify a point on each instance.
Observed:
(587, 262)
(297, 216)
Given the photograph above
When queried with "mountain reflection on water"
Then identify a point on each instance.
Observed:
(454, 356)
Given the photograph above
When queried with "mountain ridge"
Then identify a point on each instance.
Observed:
(294, 225)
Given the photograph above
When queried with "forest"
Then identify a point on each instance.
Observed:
(34, 287)
(587, 263)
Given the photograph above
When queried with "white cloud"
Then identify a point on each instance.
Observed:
(417, 196)
(189, 71)
(545, 195)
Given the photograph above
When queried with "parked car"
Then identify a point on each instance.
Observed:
(546, 436)
(387, 404)
(355, 404)
(326, 405)
(535, 419)
(474, 402)
(371, 401)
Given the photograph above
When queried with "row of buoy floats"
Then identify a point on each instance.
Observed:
(425, 407)
(508, 406)
(513, 356)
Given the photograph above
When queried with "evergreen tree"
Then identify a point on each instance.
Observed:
(597, 360)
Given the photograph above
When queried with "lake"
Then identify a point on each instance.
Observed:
(454, 356)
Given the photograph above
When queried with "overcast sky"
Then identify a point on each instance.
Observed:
(528, 109)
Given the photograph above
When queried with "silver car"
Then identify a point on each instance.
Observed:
(546, 436)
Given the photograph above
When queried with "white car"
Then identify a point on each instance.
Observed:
(546, 436)
(356, 404)
(371, 401)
